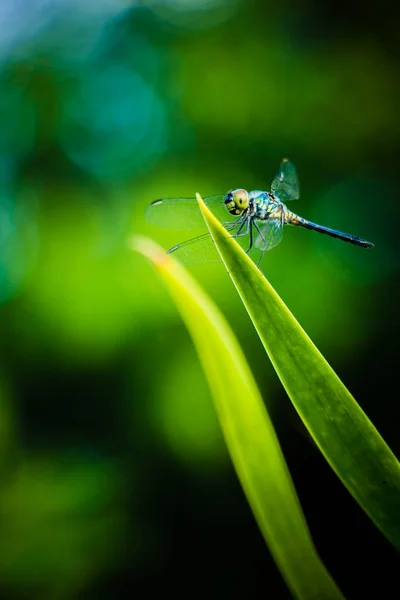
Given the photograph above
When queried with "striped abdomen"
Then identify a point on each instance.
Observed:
(293, 219)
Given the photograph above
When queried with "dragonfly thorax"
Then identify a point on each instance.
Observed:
(237, 201)
(264, 205)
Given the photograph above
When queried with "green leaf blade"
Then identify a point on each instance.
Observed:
(342, 431)
(249, 434)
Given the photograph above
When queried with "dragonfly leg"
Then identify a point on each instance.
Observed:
(251, 237)
(243, 222)
(264, 242)
(260, 233)
(231, 224)
(238, 233)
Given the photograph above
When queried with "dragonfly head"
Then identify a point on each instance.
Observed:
(237, 201)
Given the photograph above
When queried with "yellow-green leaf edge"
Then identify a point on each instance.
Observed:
(346, 437)
(248, 432)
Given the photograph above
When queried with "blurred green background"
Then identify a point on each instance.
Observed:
(114, 476)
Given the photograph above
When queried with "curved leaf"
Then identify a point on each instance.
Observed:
(342, 431)
(248, 432)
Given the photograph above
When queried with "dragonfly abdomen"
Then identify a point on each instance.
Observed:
(293, 219)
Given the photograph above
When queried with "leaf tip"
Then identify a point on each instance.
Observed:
(148, 248)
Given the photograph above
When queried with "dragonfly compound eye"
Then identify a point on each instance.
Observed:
(237, 201)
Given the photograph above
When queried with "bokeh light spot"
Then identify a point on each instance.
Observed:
(193, 14)
(114, 124)
(17, 123)
(18, 244)
(61, 524)
(184, 414)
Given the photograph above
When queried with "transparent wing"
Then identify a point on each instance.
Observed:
(267, 234)
(286, 183)
(271, 233)
(198, 250)
(202, 249)
(184, 213)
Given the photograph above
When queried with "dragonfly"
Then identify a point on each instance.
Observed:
(255, 219)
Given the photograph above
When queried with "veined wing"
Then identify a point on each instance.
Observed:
(184, 213)
(286, 183)
(198, 250)
(268, 234)
(202, 249)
